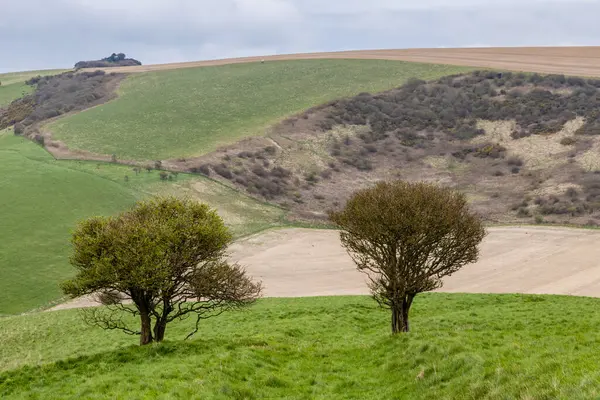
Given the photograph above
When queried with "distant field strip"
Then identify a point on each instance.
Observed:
(584, 60)
(20, 77)
(190, 112)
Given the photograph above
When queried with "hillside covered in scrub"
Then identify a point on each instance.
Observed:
(524, 147)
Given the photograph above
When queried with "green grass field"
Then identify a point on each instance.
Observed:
(465, 346)
(188, 112)
(20, 77)
(42, 199)
(12, 92)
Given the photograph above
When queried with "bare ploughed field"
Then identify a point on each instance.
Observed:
(304, 262)
(583, 61)
(307, 262)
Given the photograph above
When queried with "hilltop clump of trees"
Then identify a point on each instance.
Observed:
(114, 60)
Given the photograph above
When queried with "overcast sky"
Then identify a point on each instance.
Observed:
(39, 34)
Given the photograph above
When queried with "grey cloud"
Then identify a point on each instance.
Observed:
(49, 34)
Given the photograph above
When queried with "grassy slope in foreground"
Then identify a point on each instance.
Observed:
(187, 112)
(468, 347)
(42, 199)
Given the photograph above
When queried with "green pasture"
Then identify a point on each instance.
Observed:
(460, 347)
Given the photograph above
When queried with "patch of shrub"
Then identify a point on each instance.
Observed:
(33, 80)
(270, 150)
(245, 154)
(453, 106)
(514, 160)
(16, 111)
(490, 150)
(240, 180)
(260, 171)
(223, 170)
(203, 169)
(326, 174)
(568, 141)
(311, 177)
(557, 209)
(19, 128)
(370, 148)
(327, 124)
(39, 139)
(515, 170)
(280, 172)
(360, 163)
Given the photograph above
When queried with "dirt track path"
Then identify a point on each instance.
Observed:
(305, 262)
(583, 61)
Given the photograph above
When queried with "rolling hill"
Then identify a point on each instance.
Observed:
(569, 60)
(157, 115)
(181, 113)
(190, 112)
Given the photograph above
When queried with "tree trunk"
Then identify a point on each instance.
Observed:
(159, 330)
(400, 311)
(146, 331)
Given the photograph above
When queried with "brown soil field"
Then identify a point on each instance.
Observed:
(535, 260)
(583, 61)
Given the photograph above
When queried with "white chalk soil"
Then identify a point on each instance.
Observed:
(308, 262)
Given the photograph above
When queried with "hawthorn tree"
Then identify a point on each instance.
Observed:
(406, 237)
(167, 257)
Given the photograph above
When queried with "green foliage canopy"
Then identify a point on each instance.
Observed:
(167, 257)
